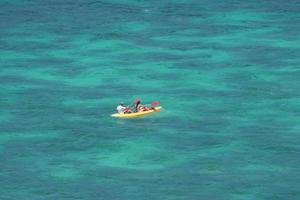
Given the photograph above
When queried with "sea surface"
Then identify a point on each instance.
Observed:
(227, 74)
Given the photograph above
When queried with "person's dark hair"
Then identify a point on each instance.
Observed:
(136, 105)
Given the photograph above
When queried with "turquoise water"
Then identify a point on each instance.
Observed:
(226, 73)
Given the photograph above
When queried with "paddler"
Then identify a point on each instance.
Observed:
(138, 106)
(121, 109)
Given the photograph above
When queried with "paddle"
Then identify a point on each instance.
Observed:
(126, 109)
(155, 103)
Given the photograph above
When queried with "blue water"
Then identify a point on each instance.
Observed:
(226, 73)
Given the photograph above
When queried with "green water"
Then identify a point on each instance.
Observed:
(225, 72)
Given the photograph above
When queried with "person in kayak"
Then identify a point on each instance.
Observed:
(121, 109)
(138, 107)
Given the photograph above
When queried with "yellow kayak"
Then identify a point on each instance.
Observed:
(137, 114)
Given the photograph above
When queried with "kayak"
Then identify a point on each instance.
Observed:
(137, 114)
